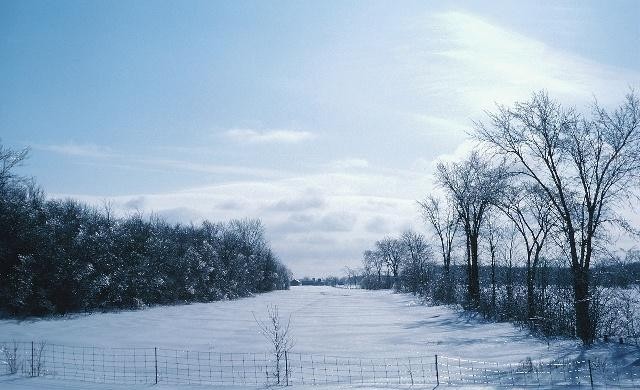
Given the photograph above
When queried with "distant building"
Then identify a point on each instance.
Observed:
(295, 282)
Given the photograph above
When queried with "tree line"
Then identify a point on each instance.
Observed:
(530, 211)
(62, 256)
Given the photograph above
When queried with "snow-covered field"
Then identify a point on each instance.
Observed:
(324, 321)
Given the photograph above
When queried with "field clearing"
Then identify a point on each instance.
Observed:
(324, 321)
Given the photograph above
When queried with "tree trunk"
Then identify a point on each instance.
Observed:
(447, 263)
(584, 326)
(509, 288)
(530, 297)
(474, 280)
(493, 284)
(468, 247)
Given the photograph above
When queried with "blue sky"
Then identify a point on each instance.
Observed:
(322, 118)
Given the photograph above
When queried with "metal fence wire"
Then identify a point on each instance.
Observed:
(172, 366)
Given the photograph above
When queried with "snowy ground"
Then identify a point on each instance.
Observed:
(324, 320)
(49, 384)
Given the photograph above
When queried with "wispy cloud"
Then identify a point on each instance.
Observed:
(78, 150)
(104, 156)
(269, 136)
(349, 163)
(492, 63)
(185, 165)
(437, 125)
(300, 203)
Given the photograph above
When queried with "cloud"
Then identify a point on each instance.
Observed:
(78, 150)
(458, 64)
(492, 63)
(109, 158)
(348, 163)
(297, 204)
(230, 205)
(422, 164)
(337, 222)
(134, 203)
(458, 154)
(269, 136)
(377, 225)
(180, 215)
(104, 157)
(185, 165)
(437, 125)
(304, 223)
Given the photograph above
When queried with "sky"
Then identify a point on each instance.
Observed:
(324, 119)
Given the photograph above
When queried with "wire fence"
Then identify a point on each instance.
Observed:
(171, 366)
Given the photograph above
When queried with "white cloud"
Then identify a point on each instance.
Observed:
(269, 136)
(105, 156)
(303, 202)
(184, 165)
(348, 163)
(78, 150)
(434, 124)
(462, 64)
(459, 153)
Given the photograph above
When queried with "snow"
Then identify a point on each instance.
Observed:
(324, 320)
(47, 384)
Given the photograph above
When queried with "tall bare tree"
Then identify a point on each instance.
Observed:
(474, 185)
(373, 263)
(585, 166)
(528, 209)
(494, 234)
(391, 251)
(444, 221)
(417, 253)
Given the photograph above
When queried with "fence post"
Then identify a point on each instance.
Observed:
(155, 357)
(32, 373)
(590, 374)
(437, 375)
(286, 367)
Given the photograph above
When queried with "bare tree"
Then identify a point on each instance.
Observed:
(474, 186)
(510, 255)
(352, 275)
(373, 262)
(585, 168)
(278, 333)
(9, 159)
(444, 221)
(528, 209)
(417, 253)
(11, 357)
(391, 251)
(494, 235)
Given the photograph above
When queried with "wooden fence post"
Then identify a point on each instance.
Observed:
(590, 374)
(437, 375)
(286, 367)
(32, 372)
(155, 356)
